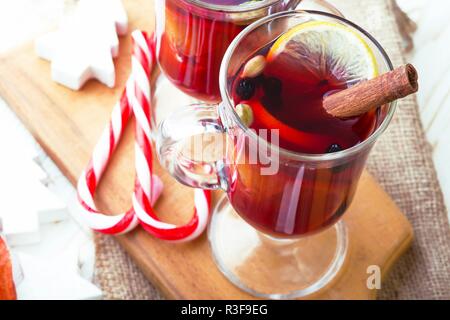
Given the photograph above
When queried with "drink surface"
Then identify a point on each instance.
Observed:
(292, 103)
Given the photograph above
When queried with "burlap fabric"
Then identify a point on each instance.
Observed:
(402, 164)
(117, 275)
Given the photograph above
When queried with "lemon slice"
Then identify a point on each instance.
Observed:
(323, 49)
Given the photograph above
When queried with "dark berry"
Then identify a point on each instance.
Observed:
(272, 86)
(246, 88)
(334, 148)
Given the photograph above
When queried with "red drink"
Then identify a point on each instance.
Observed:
(194, 38)
(299, 199)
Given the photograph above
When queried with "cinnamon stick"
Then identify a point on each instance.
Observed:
(373, 93)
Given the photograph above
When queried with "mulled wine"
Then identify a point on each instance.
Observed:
(194, 35)
(285, 97)
(298, 179)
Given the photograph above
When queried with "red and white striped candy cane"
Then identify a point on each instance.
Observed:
(90, 178)
(140, 99)
(148, 187)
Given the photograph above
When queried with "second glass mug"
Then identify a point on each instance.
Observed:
(291, 249)
(192, 37)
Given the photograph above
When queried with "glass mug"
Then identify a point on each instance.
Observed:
(192, 37)
(272, 235)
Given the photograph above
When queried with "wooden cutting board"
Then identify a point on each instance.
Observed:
(67, 124)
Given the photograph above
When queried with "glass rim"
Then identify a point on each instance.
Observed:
(285, 152)
(233, 8)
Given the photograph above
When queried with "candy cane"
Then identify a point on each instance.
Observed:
(89, 179)
(143, 55)
(136, 97)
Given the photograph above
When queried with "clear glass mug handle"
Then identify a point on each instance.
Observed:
(175, 135)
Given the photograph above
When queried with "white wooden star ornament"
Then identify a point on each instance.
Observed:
(85, 44)
(48, 280)
(26, 205)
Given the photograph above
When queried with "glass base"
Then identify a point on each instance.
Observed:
(268, 267)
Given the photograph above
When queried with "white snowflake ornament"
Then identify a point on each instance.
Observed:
(85, 44)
